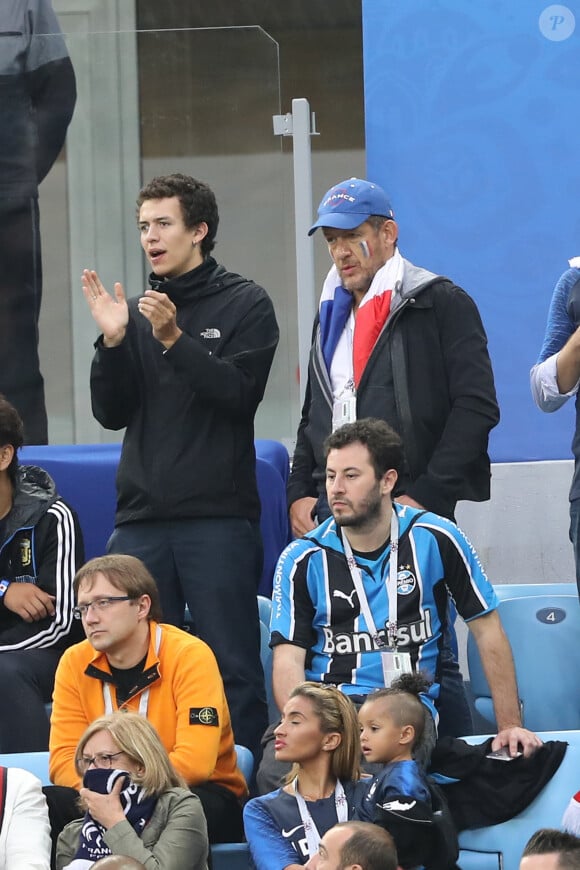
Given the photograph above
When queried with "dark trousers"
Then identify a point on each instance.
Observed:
(27, 681)
(20, 297)
(214, 565)
(575, 536)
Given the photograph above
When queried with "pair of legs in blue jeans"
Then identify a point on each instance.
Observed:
(213, 565)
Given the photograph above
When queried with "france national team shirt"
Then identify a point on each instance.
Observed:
(395, 779)
(315, 603)
(275, 832)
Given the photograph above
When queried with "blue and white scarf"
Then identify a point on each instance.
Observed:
(137, 807)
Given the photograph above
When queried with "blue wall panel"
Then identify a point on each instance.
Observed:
(472, 126)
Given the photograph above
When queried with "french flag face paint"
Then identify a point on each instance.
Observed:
(365, 249)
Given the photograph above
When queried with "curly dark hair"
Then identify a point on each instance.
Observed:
(406, 707)
(197, 201)
(380, 439)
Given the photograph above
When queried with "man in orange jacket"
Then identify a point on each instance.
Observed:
(130, 661)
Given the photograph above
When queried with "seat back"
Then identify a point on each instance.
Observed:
(499, 847)
(544, 634)
(245, 762)
(527, 590)
(273, 519)
(264, 609)
(34, 762)
(266, 657)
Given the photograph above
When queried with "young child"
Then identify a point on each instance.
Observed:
(392, 723)
(399, 798)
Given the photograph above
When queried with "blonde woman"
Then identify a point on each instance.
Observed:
(319, 734)
(135, 803)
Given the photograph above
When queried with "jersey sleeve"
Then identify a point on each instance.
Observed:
(465, 579)
(269, 849)
(292, 607)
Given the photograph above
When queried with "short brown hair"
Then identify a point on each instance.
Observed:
(548, 841)
(127, 574)
(197, 201)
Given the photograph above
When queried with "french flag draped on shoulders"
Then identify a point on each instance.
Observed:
(372, 314)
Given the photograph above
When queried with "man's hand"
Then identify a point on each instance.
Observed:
(161, 314)
(301, 516)
(517, 739)
(105, 808)
(110, 314)
(28, 601)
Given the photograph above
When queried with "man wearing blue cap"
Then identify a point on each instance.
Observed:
(400, 343)
(396, 342)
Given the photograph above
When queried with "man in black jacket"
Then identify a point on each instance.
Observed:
(399, 343)
(41, 548)
(37, 99)
(184, 368)
(395, 342)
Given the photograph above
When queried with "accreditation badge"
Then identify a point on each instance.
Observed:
(395, 664)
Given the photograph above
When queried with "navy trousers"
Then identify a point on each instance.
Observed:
(20, 296)
(213, 565)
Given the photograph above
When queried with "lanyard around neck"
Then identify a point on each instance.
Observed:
(144, 699)
(310, 830)
(356, 574)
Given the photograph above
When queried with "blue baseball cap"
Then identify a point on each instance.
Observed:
(350, 203)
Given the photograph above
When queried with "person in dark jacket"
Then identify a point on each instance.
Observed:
(184, 368)
(395, 342)
(37, 99)
(41, 548)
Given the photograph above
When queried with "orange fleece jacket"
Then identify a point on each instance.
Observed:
(185, 681)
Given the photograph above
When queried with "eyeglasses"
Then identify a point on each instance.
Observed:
(101, 759)
(81, 610)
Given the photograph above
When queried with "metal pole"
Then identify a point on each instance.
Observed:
(301, 126)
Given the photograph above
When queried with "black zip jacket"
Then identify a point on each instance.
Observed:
(434, 348)
(189, 411)
(42, 544)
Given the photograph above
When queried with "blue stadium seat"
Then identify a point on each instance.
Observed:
(266, 657)
(499, 847)
(231, 856)
(544, 634)
(245, 761)
(35, 762)
(85, 477)
(235, 856)
(524, 590)
(264, 609)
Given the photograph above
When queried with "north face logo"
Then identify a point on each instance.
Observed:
(211, 333)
